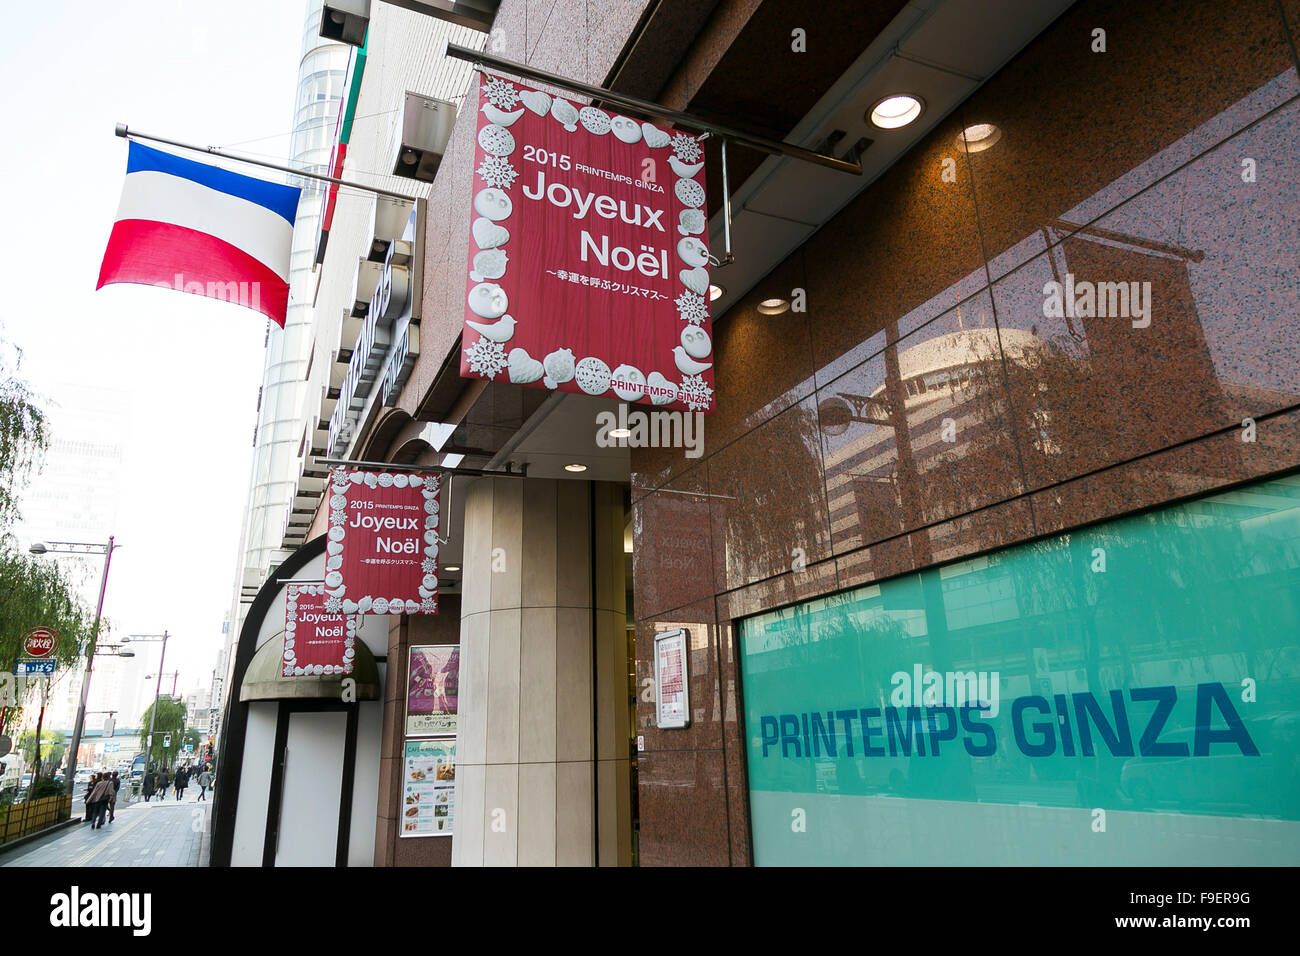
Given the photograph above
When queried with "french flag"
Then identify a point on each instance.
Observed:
(200, 229)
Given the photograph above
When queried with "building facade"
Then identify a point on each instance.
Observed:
(992, 549)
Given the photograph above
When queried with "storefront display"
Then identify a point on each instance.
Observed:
(1124, 694)
(429, 788)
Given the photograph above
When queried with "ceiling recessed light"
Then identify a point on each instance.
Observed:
(620, 432)
(575, 466)
(773, 306)
(979, 137)
(452, 567)
(716, 292)
(896, 111)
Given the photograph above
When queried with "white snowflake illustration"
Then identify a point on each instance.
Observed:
(486, 357)
(428, 606)
(500, 93)
(337, 516)
(695, 393)
(333, 605)
(429, 566)
(497, 171)
(686, 148)
(692, 307)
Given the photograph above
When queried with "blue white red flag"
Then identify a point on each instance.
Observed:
(196, 228)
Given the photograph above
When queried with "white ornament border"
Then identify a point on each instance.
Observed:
(341, 481)
(289, 666)
(687, 392)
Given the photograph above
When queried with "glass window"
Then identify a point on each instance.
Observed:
(1123, 694)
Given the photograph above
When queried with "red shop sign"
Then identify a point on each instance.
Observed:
(588, 256)
(318, 638)
(382, 544)
(40, 642)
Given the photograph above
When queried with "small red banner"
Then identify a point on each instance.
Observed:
(318, 638)
(382, 543)
(588, 256)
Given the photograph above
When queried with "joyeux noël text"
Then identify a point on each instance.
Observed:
(650, 261)
(388, 523)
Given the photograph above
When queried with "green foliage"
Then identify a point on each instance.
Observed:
(51, 746)
(48, 787)
(34, 591)
(171, 720)
(23, 433)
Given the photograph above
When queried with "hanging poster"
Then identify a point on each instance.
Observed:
(429, 788)
(588, 262)
(318, 637)
(431, 687)
(382, 547)
(673, 707)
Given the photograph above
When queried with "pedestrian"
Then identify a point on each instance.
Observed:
(182, 780)
(100, 797)
(163, 780)
(205, 781)
(148, 785)
(112, 799)
(88, 796)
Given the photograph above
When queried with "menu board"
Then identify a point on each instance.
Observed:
(428, 788)
(673, 707)
(432, 684)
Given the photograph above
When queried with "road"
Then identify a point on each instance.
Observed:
(158, 833)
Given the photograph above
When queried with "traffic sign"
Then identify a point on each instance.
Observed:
(40, 642)
(29, 667)
(167, 741)
(112, 748)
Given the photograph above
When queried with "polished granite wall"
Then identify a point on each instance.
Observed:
(981, 420)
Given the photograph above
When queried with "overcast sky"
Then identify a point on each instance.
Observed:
(212, 73)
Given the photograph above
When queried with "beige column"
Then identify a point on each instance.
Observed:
(542, 775)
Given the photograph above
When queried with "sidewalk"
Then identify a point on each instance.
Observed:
(158, 833)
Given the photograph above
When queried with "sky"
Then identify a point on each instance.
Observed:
(213, 74)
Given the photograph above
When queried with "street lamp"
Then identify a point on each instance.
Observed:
(153, 711)
(81, 547)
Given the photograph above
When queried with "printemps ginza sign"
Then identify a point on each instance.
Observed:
(385, 349)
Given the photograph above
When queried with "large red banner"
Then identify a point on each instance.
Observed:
(588, 256)
(382, 543)
(317, 640)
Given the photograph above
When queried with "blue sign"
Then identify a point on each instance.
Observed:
(35, 667)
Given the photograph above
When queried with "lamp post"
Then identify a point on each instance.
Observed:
(153, 711)
(81, 547)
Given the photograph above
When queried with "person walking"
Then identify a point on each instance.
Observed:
(100, 797)
(163, 780)
(89, 797)
(148, 785)
(182, 780)
(205, 781)
(112, 799)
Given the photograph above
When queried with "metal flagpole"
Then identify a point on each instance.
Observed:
(127, 133)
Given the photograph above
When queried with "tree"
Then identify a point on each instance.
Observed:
(171, 720)
(23, 433)
(51, 747)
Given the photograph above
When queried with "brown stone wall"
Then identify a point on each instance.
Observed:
(1118, 166)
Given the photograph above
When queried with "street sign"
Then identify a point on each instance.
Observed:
(112, 748)
(29, 667)
(167, 741)
(110, 725)
(189, 748)
(40, 642)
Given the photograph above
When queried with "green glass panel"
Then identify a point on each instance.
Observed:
(1127, 693)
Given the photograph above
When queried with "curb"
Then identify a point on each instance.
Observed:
(40, 834)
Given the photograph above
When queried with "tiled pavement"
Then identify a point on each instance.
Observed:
(158, 833)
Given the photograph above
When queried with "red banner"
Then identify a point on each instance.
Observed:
(318, 639)
(382, 547)
(588, 256)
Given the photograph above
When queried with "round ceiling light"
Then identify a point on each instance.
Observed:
(896, 111)
(452, 567)
(773, 306)
(620, 432)
(981, 136)
(716, 292)
(575, 466)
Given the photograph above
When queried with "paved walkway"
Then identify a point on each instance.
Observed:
(158, 833)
